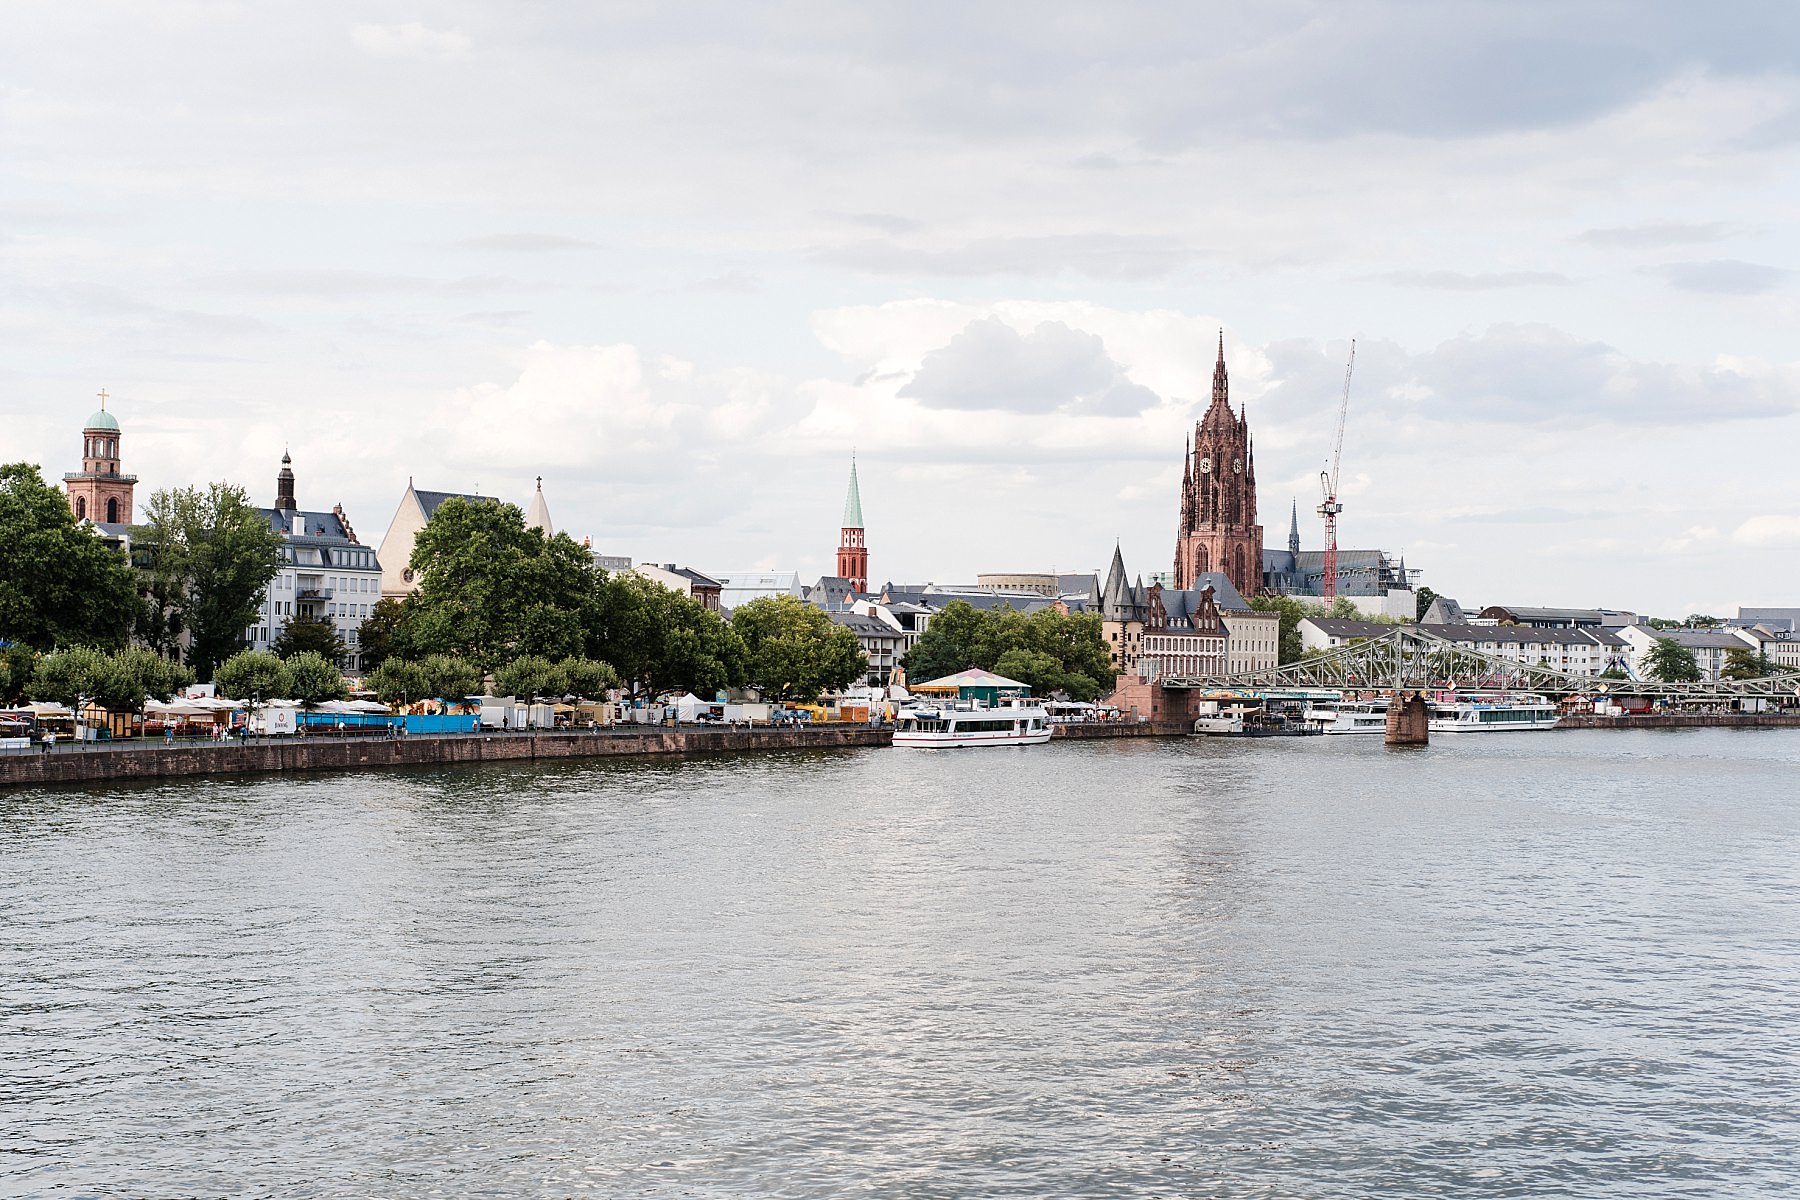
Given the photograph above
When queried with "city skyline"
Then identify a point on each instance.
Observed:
(430, 247)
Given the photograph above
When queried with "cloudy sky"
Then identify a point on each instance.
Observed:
(681, 260)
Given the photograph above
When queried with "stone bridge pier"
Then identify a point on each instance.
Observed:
(1408, 720)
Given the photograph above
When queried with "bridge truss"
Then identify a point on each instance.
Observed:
(1412, 658)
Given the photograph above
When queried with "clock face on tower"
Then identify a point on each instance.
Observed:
(1205, 465)
(1237, 468)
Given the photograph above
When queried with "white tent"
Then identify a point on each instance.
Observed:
(690, 706)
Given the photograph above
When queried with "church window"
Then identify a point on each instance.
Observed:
(112, 512)
(81, 508)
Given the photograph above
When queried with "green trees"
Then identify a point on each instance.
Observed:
(59, 585)
(378, 637)
(1746, 664)
(250, 674)
(17, 666)
(492, 588)
(587, 678)
(311, 635)
(532, 677)
(794, 651)
(1671, 662)
(1293, 610)
(1060, 652)
(120, 681)
(435, 677)
(209, 556)
(313, 679)
(661, 640)
(529, 677)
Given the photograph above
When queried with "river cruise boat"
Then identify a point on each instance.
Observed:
(1465, 713)
(1350, 716)
(945, 726)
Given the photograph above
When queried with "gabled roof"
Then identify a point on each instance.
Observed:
(429, 501)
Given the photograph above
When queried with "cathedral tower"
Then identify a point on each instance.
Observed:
(853, 548)
(1218, 529)
(98, 492)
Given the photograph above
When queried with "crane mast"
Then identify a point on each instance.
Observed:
(1328, 484)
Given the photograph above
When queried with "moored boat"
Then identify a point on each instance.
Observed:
(1492, 713)
(946, 726)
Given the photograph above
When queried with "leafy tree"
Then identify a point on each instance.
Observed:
(380, 636)
(161, 677)
(1041, 671)
(313, 679)
(1746, 664)
(492, 588)
(17, 666)
(953, 641)
(249, 674)
(587, 678)
(315, 635)
(965, 637)
(794, 650)
(120, 681)
(1425, 597)
(661, 640)
(1671, 662)
(59, 584)
(1613, 673)
(529, 677)
(447, 677)
(211, 555)
(1702, 621)
(397, 681)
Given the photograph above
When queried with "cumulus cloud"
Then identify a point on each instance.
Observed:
(990, 365)
(1768, 531)
(411, 40)
(1723, 276)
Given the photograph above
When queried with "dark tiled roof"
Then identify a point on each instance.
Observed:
(863, 626)
(317, 524)
(429, 501)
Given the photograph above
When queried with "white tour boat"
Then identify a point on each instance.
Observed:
(1352, 716)
(942, 726)
(1492, 714)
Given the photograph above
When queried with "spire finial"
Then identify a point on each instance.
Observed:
(102, 399)
(540, 481)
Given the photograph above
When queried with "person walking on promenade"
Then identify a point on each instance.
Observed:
(50, 741)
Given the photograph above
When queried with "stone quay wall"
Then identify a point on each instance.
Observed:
(333, 754)
(1707, 720)
(1104, 729)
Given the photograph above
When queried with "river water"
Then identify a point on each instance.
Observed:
(1528, 965)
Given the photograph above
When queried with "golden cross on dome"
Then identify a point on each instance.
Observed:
(102, 397)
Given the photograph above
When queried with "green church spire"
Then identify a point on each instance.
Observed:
(853, 502)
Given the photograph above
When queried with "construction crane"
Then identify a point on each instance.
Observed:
(1328, 483)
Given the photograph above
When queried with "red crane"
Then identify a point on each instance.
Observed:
(1328, 483)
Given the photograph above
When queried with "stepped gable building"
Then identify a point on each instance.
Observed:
(1218, 497)
(98, 492)
(853, 546)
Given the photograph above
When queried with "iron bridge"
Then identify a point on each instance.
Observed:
(1412, 658)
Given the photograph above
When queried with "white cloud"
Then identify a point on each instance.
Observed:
(411, 40)
(1768, 531)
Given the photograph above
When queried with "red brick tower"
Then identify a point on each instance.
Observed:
(1218, 497)
(853, 549)
(97, 492)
